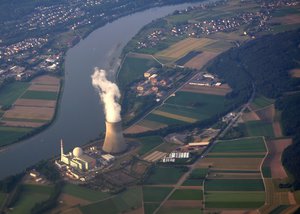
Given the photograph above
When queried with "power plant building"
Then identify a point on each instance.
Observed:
(114, 141)
(77, 159)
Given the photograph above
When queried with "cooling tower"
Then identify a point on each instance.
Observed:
(114, 141)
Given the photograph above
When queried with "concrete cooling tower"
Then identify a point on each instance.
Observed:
(114, 141)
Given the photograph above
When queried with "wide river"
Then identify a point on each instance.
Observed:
(80, 116)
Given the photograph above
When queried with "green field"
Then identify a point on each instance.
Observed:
(11, 134)
(2, 198)
(261, 102)
(40, 95)
(234, 199)
(29, 196)
(199, 173)
(187, 194)
(148, 143)
(240, 145)
(125, 201)
(163, 120)
(266, 170)
(191, 105)
(165, 175)
(193, 182)
(150, 207)
(234, 185)
(134, 68)
(11, 92)
(180, 210)
(259, 128)
(235, 156)
(155, 194)
(84, 193)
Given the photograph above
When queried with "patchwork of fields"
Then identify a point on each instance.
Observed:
(29, 105)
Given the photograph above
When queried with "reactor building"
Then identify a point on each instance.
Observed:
(77, 159)
(114, 141)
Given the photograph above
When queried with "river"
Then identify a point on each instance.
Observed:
(80, 116)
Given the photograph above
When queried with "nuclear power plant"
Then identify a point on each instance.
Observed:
(114, 141)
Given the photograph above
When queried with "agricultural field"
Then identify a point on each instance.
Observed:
(183, 47)
(234, 185)
(30, 105)
(11, 92)
(29, 196)
(84, 193)
(149, 143)
(180, 210)
(200, 60)
(259, 128)
(134, 67)
(2, 198)
(246, 145)
(165, 175)
(128, 200)
(261, 102)
(187, 194)
(187, 107)
(242, 200)
(295, 73)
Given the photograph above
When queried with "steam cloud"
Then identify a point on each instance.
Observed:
(109, 94)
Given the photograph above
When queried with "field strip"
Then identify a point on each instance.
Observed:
(174, 116)
(181, 48)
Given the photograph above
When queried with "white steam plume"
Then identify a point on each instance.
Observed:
(109, 94)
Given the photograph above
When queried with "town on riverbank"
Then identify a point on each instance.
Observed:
(205, 133)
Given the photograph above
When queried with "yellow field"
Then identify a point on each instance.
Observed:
(174, 116)
(183, 47)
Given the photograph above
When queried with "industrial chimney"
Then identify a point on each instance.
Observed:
(114, 141)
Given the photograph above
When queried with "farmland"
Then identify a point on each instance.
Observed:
(29, 196)
(234, 185)
(240, 145)
(125, 201)
(259, 128)
(134, 67)
(148, 143)
(186, 107)
(234, 199)
(165, 175)
(187, 194)
(183, 47)
(261, 102)
(31, 105)
(84, 193)
(10, 93)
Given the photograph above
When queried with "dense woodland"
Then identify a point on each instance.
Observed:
(265, 62)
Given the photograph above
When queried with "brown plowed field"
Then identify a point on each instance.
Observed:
(233, 163)
(267, 113)
(46, 80)
(200, 60)
(277, 129)
(21, 124)
(218, 90)
(183, 203)
(273, 160)
(36, 87)
(136, 129)
(35, 103)
(250, 116)
(24, 112)
(295, 72)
